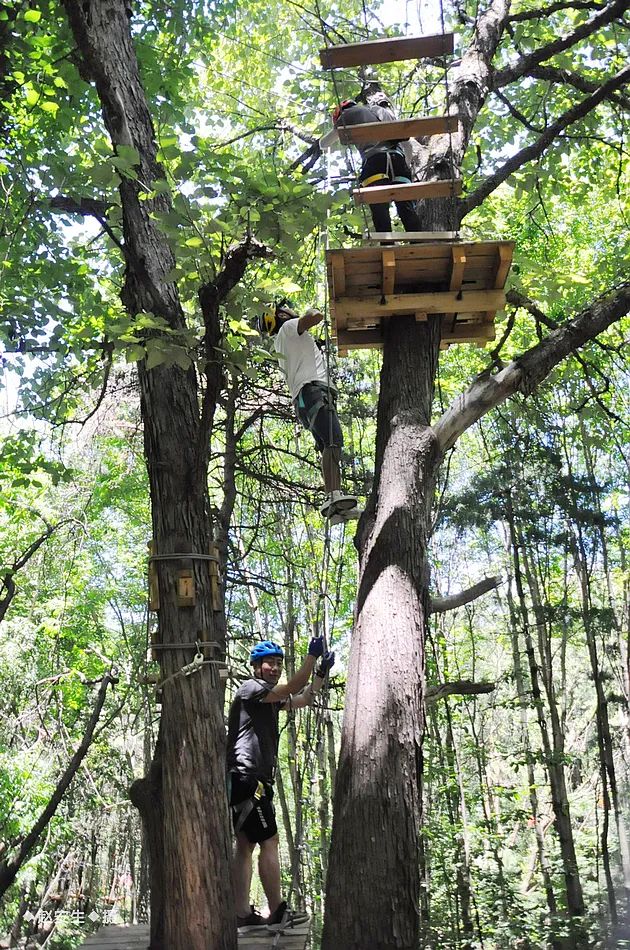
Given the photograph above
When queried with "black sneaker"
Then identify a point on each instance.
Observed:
(252, 920)
(284, 917)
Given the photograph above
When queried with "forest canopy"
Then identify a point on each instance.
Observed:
(162, 180)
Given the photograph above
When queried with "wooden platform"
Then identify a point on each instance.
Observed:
(414, 191)
(462, 281)
(137, 938)
(388, 50)
(119, 938)
(291, 938)
(396, 131)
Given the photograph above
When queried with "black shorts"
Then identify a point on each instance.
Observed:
(316, 409)
(247, 796)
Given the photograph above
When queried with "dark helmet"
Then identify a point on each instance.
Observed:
(339, 109)
(265, 649)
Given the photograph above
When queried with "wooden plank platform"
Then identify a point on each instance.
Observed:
(463, 281)
(388, 50)
(119, 938)
(414, 191)
(396, 131)
(291, 938)
(137, 938)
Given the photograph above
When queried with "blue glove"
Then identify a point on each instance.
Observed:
(326, 665)
(316, 646)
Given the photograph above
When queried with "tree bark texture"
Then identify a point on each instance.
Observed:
(553, 746)
(195, 838)
(376, 806)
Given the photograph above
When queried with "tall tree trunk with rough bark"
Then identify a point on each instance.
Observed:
(377, 801)
(183, 801)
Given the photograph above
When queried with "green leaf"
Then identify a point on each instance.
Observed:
(33, 16)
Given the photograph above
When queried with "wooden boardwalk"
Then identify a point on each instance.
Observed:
(137, 938)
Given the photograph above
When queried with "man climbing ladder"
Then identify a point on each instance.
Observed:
(383, 162)
(313, 397)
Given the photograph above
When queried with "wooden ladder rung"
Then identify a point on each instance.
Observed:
(414, 191)
(396, 131)
(389, 50)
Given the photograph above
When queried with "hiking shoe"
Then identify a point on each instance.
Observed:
(284, 917)
(351, 514)
(337, 502)
(251, 921)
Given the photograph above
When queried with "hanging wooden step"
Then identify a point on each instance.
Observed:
(368, 132)
(463, 281)
(387, 50)
(414, 191)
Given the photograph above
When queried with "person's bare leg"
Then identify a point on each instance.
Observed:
(269, 870)
(330, 469)
(242, 862)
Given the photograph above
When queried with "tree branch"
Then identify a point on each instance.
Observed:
(527, 371)
(7, 581)
(565, 77)
(457, 688)
(440, 605)
(523, 66)
(91, 207)
(554, 8)
(537, 148)
(10, 869)
(211, 296)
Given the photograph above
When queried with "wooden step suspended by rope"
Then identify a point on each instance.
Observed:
(413, 191)
(387, 50)
(462, 280)
(401, 129)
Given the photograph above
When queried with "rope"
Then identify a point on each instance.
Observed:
(453, 216)
(347, 148)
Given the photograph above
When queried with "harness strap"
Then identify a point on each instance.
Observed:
(373, 179)
(243, 810)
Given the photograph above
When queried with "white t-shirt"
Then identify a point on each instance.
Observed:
(299, 359)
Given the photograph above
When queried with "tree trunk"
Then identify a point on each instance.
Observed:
(553, 748)
(377, 786)
(194, 843)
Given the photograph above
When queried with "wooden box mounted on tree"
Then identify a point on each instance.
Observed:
(186, 594)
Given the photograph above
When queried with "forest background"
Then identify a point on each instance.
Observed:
(533, 497)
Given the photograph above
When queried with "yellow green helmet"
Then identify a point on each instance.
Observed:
(268, 320)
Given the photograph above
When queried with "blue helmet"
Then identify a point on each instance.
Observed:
(265, 649)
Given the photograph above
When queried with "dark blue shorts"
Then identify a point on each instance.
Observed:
(316, 407)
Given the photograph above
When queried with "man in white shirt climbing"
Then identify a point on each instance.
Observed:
(313, 396)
